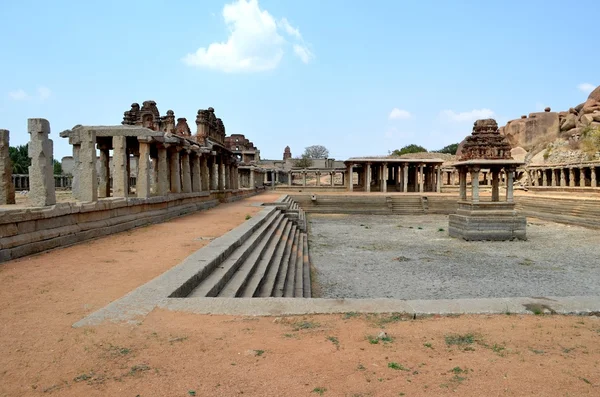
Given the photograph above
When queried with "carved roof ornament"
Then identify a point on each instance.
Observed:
(168, 122)
(130, 117)
(182, 127)
(202, 125)
(485, 143)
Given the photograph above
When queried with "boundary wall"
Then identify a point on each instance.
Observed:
(27, 231)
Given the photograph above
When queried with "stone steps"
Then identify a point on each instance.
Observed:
(407, 205)
(270, 260)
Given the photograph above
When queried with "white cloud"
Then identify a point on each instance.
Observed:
(289, 29)
(254, 43)
(586, 87)
(18, 95)
(399, 114)
(303, 53)
(472, 115)
(44, 92)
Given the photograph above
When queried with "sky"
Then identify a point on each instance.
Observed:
(360, 78)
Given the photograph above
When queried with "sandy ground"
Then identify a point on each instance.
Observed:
(181, 354)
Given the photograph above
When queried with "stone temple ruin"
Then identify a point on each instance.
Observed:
(476, 219)
(154, 167)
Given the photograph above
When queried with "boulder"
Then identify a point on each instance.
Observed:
(579, 107)
(518, 153)
(596, 116)
(514, 130)
(593, 101)
(569, 122)
(585, 120)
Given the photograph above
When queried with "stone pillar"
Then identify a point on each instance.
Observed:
(563, 178)
(252, 186)
(509, 185)
(303, 178)
(368, 177)
(143, 175)
(420, 173)
(196, 175)
(438, 182)
(495, 186)
(384, 177)
(593, 176)
(289, 178)
(205, 173)
(163, 172)
(405, 177)
(88, 177)
(332, 176)
(475, 184)
(7, 188)
(553, 177)
(120, 176)
(318, 175)
(462, 177)
(544, 177)
(175, 171)
(41, 170)
(186, 175)
(76, 168)
(350, 177)
(571, 177)
(104, 188)
(581, 177)
(221, 174)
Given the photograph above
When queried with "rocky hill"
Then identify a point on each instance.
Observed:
(559, 137)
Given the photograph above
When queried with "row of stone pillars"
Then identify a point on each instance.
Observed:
(318, 175)
(474, 174)
(452, 178)
(426, 178)
(582, 176)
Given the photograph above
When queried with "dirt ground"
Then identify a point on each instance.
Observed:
(182, 354)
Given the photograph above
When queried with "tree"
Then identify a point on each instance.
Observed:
(19, 158)
(303, 162)
(57, 168)
(316, 152)
(450, 149)
(409, 149)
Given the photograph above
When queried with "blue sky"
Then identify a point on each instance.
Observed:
(359, 77)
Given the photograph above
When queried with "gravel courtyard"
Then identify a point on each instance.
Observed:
(412, 257)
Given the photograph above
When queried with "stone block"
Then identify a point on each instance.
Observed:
(41, 170)
(487, 221)
(7, 189)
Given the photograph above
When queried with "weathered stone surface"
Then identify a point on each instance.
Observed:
(41, 170)
(120, 176)
(88, 178)
(593, 101)
(7, 189)
(569, 122)
(485, 143)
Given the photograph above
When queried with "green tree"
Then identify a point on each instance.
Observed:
(19, 158)
(409, 149)
(450, 149)
(57, 168)
(303, 162)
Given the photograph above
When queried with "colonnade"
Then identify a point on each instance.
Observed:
(585, 175)
(404, 177)
(332, 174)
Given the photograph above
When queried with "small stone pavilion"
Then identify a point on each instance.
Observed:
(479, 218)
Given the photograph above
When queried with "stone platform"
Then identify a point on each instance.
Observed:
(498, 221)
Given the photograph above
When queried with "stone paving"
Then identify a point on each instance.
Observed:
(412, 257)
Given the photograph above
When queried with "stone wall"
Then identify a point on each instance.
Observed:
(29, 231)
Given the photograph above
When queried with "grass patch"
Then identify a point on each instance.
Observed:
(459, 340)
(248, 216)
(306, 325)
(319, 390)
(350, 315)
(538, 309)
(526, 262)
(335, 341)
(397, 367)
(428, 345)
(259, 352)
(392, 318)
(459, 370)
